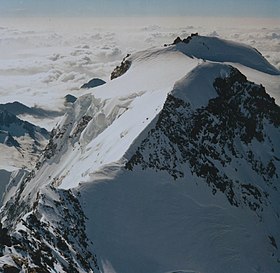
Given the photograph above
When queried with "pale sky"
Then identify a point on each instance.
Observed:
(233, 8)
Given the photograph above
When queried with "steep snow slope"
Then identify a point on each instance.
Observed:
(165, 226)
(176, 163)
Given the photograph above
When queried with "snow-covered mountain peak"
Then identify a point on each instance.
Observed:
(176, 162)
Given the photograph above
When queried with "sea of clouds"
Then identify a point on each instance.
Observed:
(43, 59)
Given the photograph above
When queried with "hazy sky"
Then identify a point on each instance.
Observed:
(252, 8)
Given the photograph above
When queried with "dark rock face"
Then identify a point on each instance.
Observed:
(50, 149)
(61, 240)
(120, 70)
(93, 83)
(207, 140)
(177, 40)
(5, 239)
(82, 125)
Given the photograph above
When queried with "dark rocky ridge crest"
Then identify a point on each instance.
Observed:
(179, 40)
(122, 68)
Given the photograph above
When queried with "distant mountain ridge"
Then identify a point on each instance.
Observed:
(18, 108)
(17, 127)
(20, 145)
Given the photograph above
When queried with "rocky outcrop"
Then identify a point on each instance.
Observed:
(179, 40)
(122, 68)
